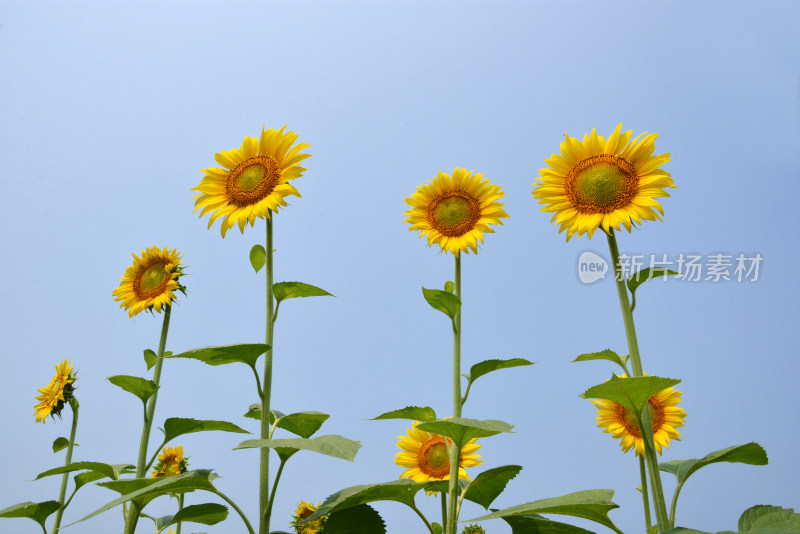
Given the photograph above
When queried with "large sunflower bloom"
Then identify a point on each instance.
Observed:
(424, 454)
(665, 417)
(303, 511)
(149, 283)
(455, 212)
(170, 462)
(56, 394)
(603, 183)
(254, 180)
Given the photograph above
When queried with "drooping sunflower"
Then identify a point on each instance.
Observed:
(602, 182)
(56, 394)
(170, 462)
(665, 417)
(455, 212)
(254, 181)
(424, 454)
(151, 281)
(303, 511)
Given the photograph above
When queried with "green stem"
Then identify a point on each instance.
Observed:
(424, 519)
(238, 510)
(674, 505)
(141, 464)
(455, 452)
(645, 499)
(263, 483)
(180, 507)
(274, 488)
(444, 509)
(633, 347)
(73, 403)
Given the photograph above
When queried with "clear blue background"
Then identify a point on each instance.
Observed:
(109, 109)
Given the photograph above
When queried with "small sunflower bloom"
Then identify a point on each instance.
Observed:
(473, 529)
(170, 462)
(56, 394)
(665, 417)
(424, 455)
(303, 511)
(603, 183)
(454, 212)
(254, 180)
(151, 281)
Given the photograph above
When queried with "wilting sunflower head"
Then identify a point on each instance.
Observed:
(598, 183)
(303, 511)
(424, 455)
(473, 529)
(150, 282)
(56, 394)
(170, 462)
(665, 417)
(254, 179)
(455, 212)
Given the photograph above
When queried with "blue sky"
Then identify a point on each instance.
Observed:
(110, 109)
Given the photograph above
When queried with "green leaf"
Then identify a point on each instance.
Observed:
(290, 290)
(247, 353)
(153, 487)
(462, 430)
(61, 444)
(449, 286)
(445, 302)
(81, 479)
(304, 424)
(764, 519)
(150, 358)
(332, 445)
(536, 524)
(749, 453)
(588, 504)
(361, 519)
(681, 530)
(107, 470)
(38, 511)
(488, 485)
(258, 257)
(402, 490)
(414, 413)
(437, 528)
(487, 366)
(640, 277)
(141, 387)
(607, 354)
(177, 426)
(207, 514)
(632, 393)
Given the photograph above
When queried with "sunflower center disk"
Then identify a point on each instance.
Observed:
(601, 184)
(656, 418)
(252, 180)
(454, 214)
(152, 281)
(433, 458)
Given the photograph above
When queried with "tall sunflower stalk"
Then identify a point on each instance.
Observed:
(608, 183)
(454, 212)
(62, 494)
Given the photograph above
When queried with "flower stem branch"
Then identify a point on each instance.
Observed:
(275, 487)
(73, 403)
(636, 362)
(264, 492)
(455, 452)
(238, 510)
(180, 507)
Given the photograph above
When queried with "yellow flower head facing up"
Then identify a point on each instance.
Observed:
(424, 455)
(170, 462)
(150, 282)
(602, 182)
(56, 394)
(665, 416)
(455, 211)
(303, 511)
(254, 179)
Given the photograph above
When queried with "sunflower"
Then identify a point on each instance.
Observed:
(170, 462)
(303, 511)
(149, 283)
(254, 180)
(56, 394)
(603, 183)
(473, 529)
(455, 212)
(665, 416)
(425, 456)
